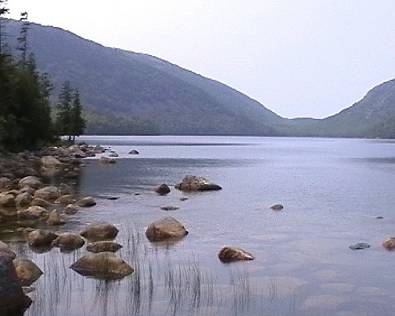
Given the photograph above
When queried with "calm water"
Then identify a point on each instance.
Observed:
(332, 190)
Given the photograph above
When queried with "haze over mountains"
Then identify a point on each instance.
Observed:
(132, 93)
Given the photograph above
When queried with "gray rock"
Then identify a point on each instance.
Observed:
(163, 189)
(193, 183)
(49, 193)
(104, 265)
(165, 229)
(133, 152)
(71, 209)
(54, 219)
(230, 254)
(41, 238)
(68, 242)
(359, 246)
(27, 271)
(277, 207)
(103, 246)
(100, 231)
(30, 181)
(87, 201)
(33, 213)
(169, 208)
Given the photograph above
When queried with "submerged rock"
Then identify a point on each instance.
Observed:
(71, 209)
(68, 242)
(389, 243)
(169, 208)
(100, 231)
(359, 246)
(107, 160)
(87, 201)
(277, 207)
(193, 183)
(164, 229)
(230, 254)
(27, 271)
(103, 246)
(163, 189)
(41, 238)
(12, 299)
(104, 265)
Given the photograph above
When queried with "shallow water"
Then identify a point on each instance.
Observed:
(332, 190)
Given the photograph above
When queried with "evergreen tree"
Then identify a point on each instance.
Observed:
(3, 11)
(23, 37)
(63, 115)
(78, 124)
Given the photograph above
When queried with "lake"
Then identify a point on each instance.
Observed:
(332, 190)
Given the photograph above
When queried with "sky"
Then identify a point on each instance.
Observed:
(300, 58)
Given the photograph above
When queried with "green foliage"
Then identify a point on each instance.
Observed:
(69, 120)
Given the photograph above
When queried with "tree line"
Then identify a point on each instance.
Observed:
(25, 109)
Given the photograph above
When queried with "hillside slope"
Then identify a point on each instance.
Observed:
(173, 99)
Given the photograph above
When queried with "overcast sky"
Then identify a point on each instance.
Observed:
(297, 57)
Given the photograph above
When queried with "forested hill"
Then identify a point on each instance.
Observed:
(161, 97)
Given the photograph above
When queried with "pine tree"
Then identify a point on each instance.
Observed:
(3, 11)
(63, 115)
(23, 37)
(77, 122)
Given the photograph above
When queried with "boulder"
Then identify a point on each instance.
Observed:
(30, 181)
(193, 183)
(103, 246)
(230, 254)
(6, 251)
(27, 271)
(65, 199)
(68, 242)
(87, 201)
(133, 152)
(163, 189)
(12, 299)
(277, 207)
(104, 265)
(54, 219)
(49, 193)
(7, 200)
(100, 231)
(40, 202)
(33, 213)
(71, 209)
(41, 238)
(50, 162)
(5, 183)
(164, 229)
(23, 199)
(389, 243)
(107, 160)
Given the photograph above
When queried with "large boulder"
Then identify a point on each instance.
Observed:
(30, 181)
(41, 238)
(230, 254)
(33, 213)
(54, 219)
(23, 199)
(7, 200)
(164, 229)
(68, 242)
(65, 199)
(6, 251)
(50, 162)
(49, 193)
(104, 265)
(27, 271)
(87, 201)
(163, 189)
(12, 299)
(389, 243)
(100, 231)
(193, 183)
(103, 246)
